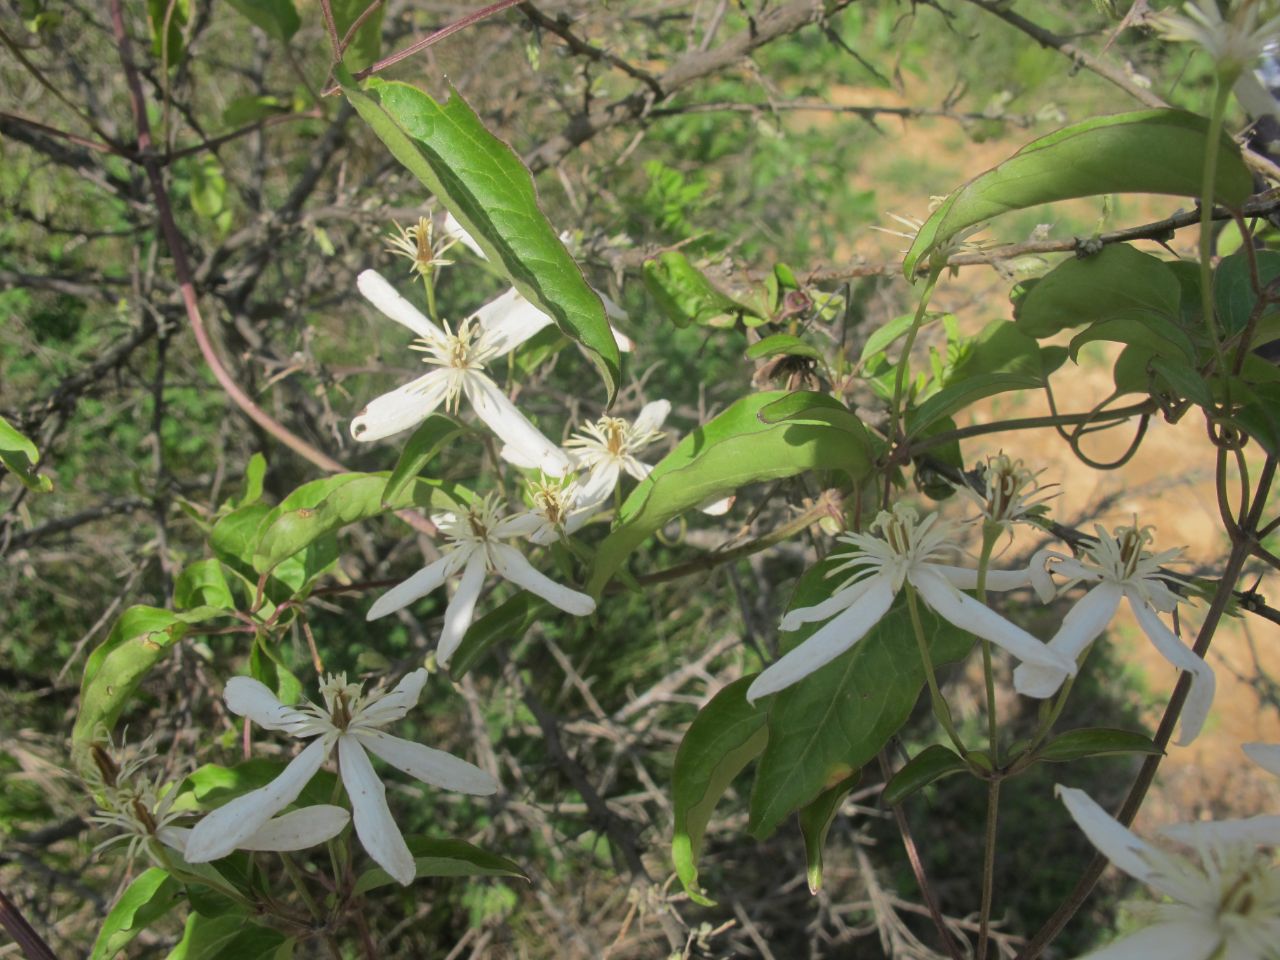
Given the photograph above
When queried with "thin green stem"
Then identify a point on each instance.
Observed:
(904, 361)
(990, 534)
(300, 884)
(988, 866)
(940, 708)
(1222, 91)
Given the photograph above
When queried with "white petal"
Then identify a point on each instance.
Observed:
(419, 585)
(980, 620)
(1116, 842)
(402, 698)
(462, 608)
(845, 597)
(511, 426)
(1265, 755)
(385, 297)
(518, 456)
(636, 468)
(431, 766)
(1180, 940)
(231, 824)
(175, 837)
(376, 829)
(1200, 697)
(999, 580)
(1260, 831)
(453, 229)
(652, 416)
(1080, 627)
(518, 525)
(247, 697)
(1254, 97)
(402, 408)
(600, 483)
(828, 641)
(512, 565)
(1041, 575)
(510, 320)
(717, 508)
(298, 829)
(611, 308)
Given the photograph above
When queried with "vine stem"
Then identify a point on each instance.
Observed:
(991, 531)
(1222, 91)
(940, 708)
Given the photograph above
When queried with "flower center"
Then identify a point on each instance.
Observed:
(1131, 540)
(615, 433)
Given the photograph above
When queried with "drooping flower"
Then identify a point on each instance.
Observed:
(899, 549)
(350, 722)
(1234, 41)
(141, 808)
(476, 548)
(1010, 492)
(1226, 905)
(1122, 567)
(420, 245)
(459, 359)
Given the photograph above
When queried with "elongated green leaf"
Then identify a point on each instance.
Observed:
(151, 895)
(203, 584)
(686, 296)
(785, 344)
(815, 823)
(278, 19)
(726, 735)
(1116, 283)
(366, 45)
(730, 451)
(886, 336)
(1095, 742)
(19, 456)
(322, 507)
(445, 858)
(951, 400)
(426, 442)
(1150, 151)
(228, 936)
(168, 20)
(1233, 294)
(930, 764)
(835, 720)
(484, 184)
(1156, 335)
(507, 624)
(1184, 379)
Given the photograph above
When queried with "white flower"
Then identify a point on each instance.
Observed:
(1122, 568)
(609, 446)
(559, 507)
(142, 809)
(1011, 493)
(1262, 830)
(905, 551)
(459, 358)
(1233, 43)
(418, 244)
(476, 549)
(1225, 906)
(351, 722)
(456, 233)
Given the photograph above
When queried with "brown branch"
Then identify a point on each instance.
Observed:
(23, 934)
(560, 27)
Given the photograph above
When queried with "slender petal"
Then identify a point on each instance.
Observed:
(231, 824)
(615, 312)
(1080, 627)
(402, 698)
(999, 580)
(247, 697)
(1265, 755)
(402, 408)
(299, 829)
(637, 468)
(517, 525)
(717, 508)
(375, 827)
(455, 230)
(512, 427)
(827, 608)
(431, 766)
(510, 320)
(518, 456)
(385, 297)
(1180, 940)
(462, 608)
(1200, 698)
(1261, 831)
(980, 620)
(828, 641)
(600, 483)
(512, 565)
(419, 585)
(652, 416)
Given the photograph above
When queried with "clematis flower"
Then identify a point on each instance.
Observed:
(1010, 492)
(906, 550)
(459, 359)
(420, 246)
(559, 507)
(141, 808)
(609, 446)
(1122, 568)
(476, 548)
(1234, 42)
(351, 723)
(1226, 906)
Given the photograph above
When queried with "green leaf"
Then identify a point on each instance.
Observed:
(507, 624)
(444, 858)
(168, 46)
(203, 584)
(151, 895)
(1149, 151)
(815, 823)
(930, 764)
(782, 343)
(324, 506)
(243, 111)
(686, 296)
(1095, 742)
(731, 451)
(1119, 282)
(228, 936)
(1259, 413)
(838, 718)
(1233, 294)
(208, 187)
(278, 19)
(19, 456)
(885, 336)
(426, 442)
(1184, 379)
(726, 735)
(254, 472)
(212, 785)
(1158, 336)
(484, 184)
(366, 45)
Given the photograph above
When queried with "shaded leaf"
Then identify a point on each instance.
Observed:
(1095, 742)
(19, 456)
(151, 895)
(815, 823)
(278, 19)
(686, 296)
(426, 442)
(444, 858)
(506, 624)
(930, 764)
